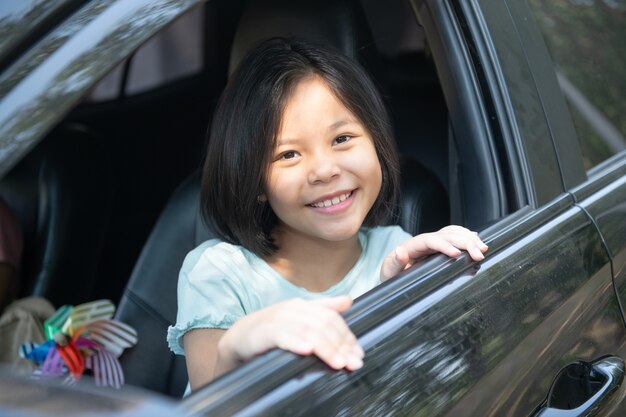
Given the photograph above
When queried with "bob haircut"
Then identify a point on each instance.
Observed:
(247, 121)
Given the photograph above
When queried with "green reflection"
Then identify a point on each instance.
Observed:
(17, 18)
(585, 39)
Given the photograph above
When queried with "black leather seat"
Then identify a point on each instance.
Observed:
(61, 194)
(149, 300)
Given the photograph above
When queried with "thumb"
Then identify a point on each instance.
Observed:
(394, 263)
(339, 304)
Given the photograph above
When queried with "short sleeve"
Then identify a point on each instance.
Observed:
(209, 294)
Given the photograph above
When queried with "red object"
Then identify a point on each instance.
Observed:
(72, 358)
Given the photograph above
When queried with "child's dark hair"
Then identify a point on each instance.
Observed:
(247, 121)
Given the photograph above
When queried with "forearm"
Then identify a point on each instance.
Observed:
(226, 358)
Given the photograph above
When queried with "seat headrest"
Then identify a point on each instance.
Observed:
(340, 23)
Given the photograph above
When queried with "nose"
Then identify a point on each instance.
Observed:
(323, 167)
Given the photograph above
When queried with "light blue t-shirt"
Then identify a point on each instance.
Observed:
(219, 282)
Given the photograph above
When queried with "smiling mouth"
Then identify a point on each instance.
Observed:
(332, 201)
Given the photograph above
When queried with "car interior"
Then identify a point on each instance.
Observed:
(109, 200)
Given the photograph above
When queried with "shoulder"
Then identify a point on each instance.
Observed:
(215, 274)
(215, 260)
(213, 252)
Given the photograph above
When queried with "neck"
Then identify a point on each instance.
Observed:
(313, 264)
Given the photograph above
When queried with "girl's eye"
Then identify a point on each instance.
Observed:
(342, 139)
(288, 155)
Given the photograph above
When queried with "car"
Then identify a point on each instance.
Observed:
(510, 113)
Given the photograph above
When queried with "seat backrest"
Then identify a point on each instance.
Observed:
(340, 23)
(56, 192)
(149, 301)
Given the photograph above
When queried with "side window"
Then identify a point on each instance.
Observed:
(585, 39)
(172, 54)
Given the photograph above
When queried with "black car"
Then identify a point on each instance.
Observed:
(508, 115)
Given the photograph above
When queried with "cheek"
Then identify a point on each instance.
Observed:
(280, 186)
(368, 166)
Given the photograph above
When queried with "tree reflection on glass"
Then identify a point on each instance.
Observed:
(585, 39)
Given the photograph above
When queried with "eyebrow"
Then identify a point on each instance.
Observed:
(340, 123)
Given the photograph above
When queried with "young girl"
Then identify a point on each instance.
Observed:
(300, 172)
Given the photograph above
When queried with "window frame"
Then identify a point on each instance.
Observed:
(557, 114)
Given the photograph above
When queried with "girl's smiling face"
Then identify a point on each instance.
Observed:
(324, 174)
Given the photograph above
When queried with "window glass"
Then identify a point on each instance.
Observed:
(110, 87)
(172, 54)
(585, 39)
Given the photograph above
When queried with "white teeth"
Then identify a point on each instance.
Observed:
(335, 200)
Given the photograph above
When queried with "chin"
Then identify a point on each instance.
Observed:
(339, 234)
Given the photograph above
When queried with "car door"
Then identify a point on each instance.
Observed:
(451, 337)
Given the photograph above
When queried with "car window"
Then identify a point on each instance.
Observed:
(585, 40)
(172, 54)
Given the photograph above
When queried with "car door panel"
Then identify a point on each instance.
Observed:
(494, 345)
(486, 341)
(604, 198)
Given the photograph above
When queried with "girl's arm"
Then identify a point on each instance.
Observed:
(450, 241)
(201, 355)
(299, 326)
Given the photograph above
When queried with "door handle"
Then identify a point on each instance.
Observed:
(584, 389)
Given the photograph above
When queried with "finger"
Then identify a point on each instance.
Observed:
(349, 344)
(475, 253)
(429, 243)
(476, 248)
(333, 341)
(482, 245)
(462, 231)
(354, 358)
(469, 242)
(316, 327)
(319, 318)
(394, 263)
(349, 354)
(338, 351)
